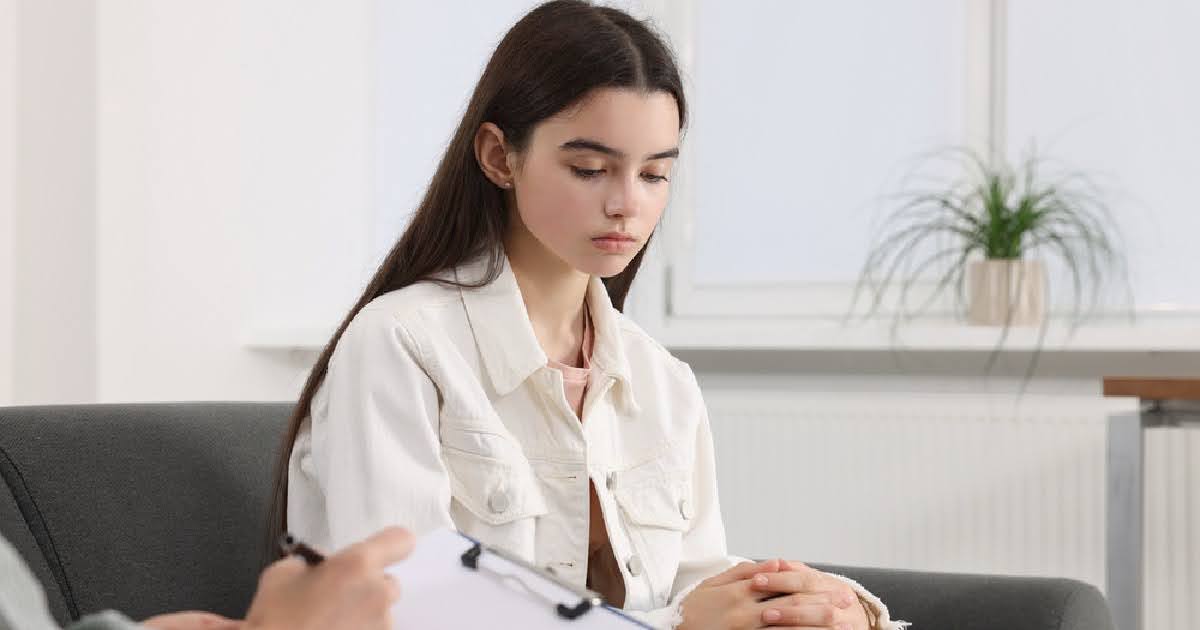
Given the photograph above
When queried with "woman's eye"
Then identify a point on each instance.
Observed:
(586, 173)
(589, 173)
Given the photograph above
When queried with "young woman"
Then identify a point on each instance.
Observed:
(487, 381)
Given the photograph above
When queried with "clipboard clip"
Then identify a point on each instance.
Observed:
(587, 599)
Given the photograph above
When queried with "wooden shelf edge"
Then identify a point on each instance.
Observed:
(1153, 388)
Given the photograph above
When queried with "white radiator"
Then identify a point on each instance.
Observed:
(950, 482)
(1172, 527)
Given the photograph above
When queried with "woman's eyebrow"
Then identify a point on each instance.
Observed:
(583, 144)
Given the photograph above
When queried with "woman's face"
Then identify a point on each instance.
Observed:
(594, 179)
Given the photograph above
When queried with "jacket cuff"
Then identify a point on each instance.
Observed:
(877, 608)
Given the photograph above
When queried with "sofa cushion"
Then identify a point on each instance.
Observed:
(960, 601)
(143, 508)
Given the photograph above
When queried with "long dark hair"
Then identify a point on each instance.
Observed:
(549, 60)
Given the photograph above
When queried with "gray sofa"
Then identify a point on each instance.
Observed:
(150, 508)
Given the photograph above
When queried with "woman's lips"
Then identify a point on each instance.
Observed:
(614, 244)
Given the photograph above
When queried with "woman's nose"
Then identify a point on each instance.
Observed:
(625, 199)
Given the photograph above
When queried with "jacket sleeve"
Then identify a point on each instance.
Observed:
(704, 551)
(375, 447)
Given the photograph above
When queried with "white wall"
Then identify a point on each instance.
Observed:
(233, 145)
(8, 130)
(172, 170)
(54, 338)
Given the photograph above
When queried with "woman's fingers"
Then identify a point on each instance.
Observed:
(809, 581)
(814, 610)
(794, 565)
(786, 582)
(742, 571)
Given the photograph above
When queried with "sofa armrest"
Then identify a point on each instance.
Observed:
(955, 601)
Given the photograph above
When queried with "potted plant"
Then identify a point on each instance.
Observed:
(985, 235)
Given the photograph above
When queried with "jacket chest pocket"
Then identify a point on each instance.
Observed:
(656, 508)
(496, 497)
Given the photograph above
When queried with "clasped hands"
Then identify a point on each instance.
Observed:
(770, 594)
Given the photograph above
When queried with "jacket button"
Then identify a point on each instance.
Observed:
(634, 565)
(498, 501)
(686, 509)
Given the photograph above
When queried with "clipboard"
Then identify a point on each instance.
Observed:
(453, 581)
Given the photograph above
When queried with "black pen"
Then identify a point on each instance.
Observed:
(288, 545)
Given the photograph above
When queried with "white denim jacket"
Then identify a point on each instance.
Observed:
(439, 410)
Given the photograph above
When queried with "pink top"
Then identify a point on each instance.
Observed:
(575, 379)
(603, 574)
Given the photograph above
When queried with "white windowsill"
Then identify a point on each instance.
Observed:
(1149, 334)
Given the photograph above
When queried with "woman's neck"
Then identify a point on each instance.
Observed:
(553, 293)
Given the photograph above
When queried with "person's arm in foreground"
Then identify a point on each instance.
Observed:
(349, 590)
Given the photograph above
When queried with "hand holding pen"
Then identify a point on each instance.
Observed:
(349, 589)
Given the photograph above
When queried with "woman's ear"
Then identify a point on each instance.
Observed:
(492, 154)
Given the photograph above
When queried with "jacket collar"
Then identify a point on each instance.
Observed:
(505, 336)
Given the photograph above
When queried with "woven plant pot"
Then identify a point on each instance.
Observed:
(1006, 293)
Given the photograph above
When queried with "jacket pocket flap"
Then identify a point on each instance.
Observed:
(663, 504)
(497, 491)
